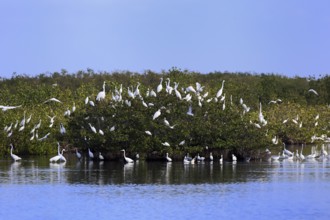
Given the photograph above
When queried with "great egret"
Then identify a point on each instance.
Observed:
(276, 157)
(166, 144)
(302, 157)
(219, 93)
(211, 156)
(52, 100)
(101, 95)
(78, 155)
(58, 158)
(168, 158)
(90, 154)
(157, 114)
(160, 86)
(166, 122)
(221, 159)
(287, 152)
(101, 132)
(233, 157)
(313, 91)
(148, 133)
(92, 128)
(190, 89)
(127, 159)
(199, 158)
(182, 142)
(189, 112)
(100, 156)
(5, 108)
(13, 156)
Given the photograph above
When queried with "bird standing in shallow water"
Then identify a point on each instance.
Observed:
(13, 156)
(168, 158)
(127, 159)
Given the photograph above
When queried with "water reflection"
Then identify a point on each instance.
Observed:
(39, 171)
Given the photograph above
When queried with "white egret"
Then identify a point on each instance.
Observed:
(44, 137)
(137, 90)
(23, 120)
(101, 156)
(86, 100)
(62, 129)
(168, 158)
(313, 91)
(189, 112)
(60, 157)
(275, 140)
(13, 156)
(190, 89)
(90, 154)
(199, 158)
(221, 159)
(153, 93)
(287, 152)
(52, 119)
(166, 144)
(157, 114)
(182, 142)
(101, 95)
(5, 108)
(127, 159)
(233, 157)
(92, 128)
(78, 155)
(219, 93)
(166, 122)
(276, 157)
(91, 103)
(52, 100)
(148, 133)
(160, 86)
(113, 128)
(211, 156)
(101, 132)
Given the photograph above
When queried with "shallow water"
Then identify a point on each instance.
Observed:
(35, 189)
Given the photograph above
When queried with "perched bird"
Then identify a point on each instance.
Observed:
(101, 95)
(157, 114)
(148, 133)
(189, 112)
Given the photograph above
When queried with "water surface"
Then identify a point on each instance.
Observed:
(36, 189)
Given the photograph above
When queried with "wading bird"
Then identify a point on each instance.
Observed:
(13, 156)
(127, 159)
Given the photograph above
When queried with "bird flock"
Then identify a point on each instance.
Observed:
(190, 95)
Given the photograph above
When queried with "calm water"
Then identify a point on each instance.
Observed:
(35, 189)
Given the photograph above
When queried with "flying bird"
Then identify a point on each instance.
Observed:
(313, 91)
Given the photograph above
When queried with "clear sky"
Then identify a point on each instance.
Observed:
(286, 37)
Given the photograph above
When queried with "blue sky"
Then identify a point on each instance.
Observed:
(286, 37)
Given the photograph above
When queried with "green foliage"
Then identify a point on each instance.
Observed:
(219, 129)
